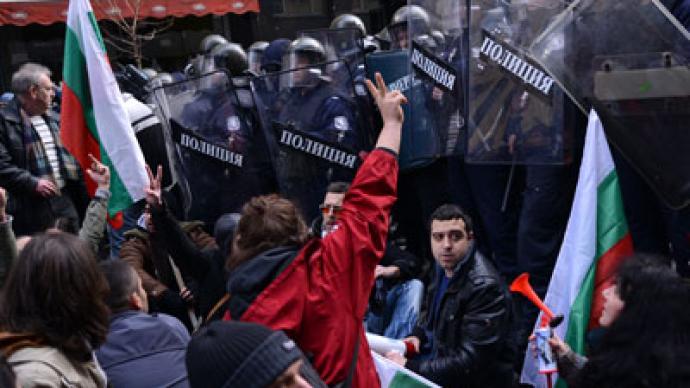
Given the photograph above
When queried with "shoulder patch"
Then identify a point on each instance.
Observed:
(340, 123)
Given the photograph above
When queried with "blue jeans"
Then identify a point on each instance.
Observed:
(403, 304)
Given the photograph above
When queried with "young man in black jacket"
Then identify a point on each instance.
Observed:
(463, 334)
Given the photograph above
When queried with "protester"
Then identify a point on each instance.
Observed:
(396, 298)
(204, 264)
(463, 334)
(647, 332)
(317, 291)
(141, 350)
(148, 251)
(44, 180)
(239, 354)
(53, 314)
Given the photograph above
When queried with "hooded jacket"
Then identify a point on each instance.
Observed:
(318, 294)
(36, 364)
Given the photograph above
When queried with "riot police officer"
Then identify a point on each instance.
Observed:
(401, 20)
(256, 54)
(230, 57)
(348, 20)
(311, 103)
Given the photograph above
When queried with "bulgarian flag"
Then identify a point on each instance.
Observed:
(392, 375)
(595, 243)
(93, 116)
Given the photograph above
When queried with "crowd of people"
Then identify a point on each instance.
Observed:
(268, 290)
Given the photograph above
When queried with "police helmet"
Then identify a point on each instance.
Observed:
(273, 55)
(439, 38)
(258, 46)
(230, 56)
(211, 41)
(256, 54)
(307, 48)
(348, 20)
(408, 16)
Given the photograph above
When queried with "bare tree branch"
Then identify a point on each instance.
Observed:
(127, 35)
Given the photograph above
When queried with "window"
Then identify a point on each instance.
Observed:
(300, 7)
(364, 5)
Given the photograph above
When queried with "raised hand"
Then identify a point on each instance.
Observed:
(99, 172)
(387, 101)
(154, 192)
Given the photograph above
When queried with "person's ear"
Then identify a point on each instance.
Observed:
(136, 302)
(470, 236)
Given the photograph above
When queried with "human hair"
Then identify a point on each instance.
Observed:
(449, 212)
(123, 282)
(267, 221)
(646, 345)
(56, 291)
(26, 76)
(338, 187)
(67, 225)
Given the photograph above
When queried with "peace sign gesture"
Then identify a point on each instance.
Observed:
(387, 101)
(153, 192)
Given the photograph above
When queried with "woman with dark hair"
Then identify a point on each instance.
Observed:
(53, 314)
(648, 332)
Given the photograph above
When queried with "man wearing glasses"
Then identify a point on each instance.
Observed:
(396, 299)
(43, 179)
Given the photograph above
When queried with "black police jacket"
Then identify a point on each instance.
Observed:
(470, 344)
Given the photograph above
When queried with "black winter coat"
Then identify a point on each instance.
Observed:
(471, 346)
(32, 212)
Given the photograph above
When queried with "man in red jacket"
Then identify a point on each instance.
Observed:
(317, 291)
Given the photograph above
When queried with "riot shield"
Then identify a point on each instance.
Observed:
(421, 142)
(631, 64)
(215, 140)
(516, 111)
(345, 49)
(313, 131)
(346, 44)
(438, 53)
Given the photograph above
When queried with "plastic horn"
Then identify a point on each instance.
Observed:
(521, 285)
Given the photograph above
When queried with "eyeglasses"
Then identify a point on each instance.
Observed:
(328, 210)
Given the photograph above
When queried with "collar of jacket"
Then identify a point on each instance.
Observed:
(12, 342)
(460, 270)
(12, 112)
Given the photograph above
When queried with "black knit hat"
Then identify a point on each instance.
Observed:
(238, 354)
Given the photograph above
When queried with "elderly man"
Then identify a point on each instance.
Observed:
(43, 179)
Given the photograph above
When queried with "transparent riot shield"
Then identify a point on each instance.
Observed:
(215, 140)
(346, 44)
(313, 131)
(421, 142)
(437, 33)
(515, 109)
(345, 48)
(631, 64)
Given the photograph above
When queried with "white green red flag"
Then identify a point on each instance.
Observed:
(392, 375)
(93, 116)
(595, 242)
